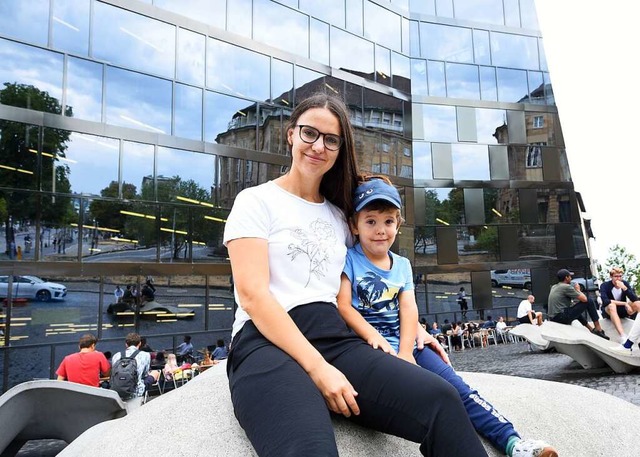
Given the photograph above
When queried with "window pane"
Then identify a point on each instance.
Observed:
(26, 20)
(191, 52)
(227, 116)
(517, 51)
(237, 70)
(281, 82)
(435, 76)
(444, 8)
(512, 13)
(239, 17)
(422, 168)
(419, 77)
(137, 169)
(138, 101)
(462, 81)
(489, 11)
(444, 42)
(423, 7)
(188, 112)
(400, 72)
(350, 52)
(488, 122)
(440, 123)
(382, 26)
(132, 40)
(529, 16)
(71, 25)
(488, 84)
(331, 11)
(210, 12)
(60, 217)
(512, 85)
(470, 162)
(354, 16)
(320, 39)
(45, 74)
(281, 27)
(191, 175)
(84, 89)
(481, 47)
(383, 66)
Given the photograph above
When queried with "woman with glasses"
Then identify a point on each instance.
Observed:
(293, 360)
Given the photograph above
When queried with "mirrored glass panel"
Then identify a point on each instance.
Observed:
(477, 243)
(45, 76)
(137, 169)
(537, 242)
(238, 21)
(186, 176)
(462, 81)
(512, 85)
(319, 32)
(237, 71)
(509, 287)
(331, 11)
(351, 53)
(501, 206)
(281, 82)
(481, 47)
(382, 26)
(353, 16)
(511, 13)
(439, 123)
(536, 88)
(19, 155)
(436, 78)
(423, 7)
(470, 162)
(26, 20)
(517, 51)
(488, 84)
(84, 89)
(191, 57)
(135, 41)
(528, 14)
(211, 12)
(230, 120)
(281, 27)
(444, 42)
(442, 297)
(488, 122)
(187, 114)
(383, 66)
(70, 25)
(221, 304)
(138, 101)
(414, 39)
(18, 239)
(59, 221)
(400, 72)
(419, 77)
(422, 168)
(489, 11)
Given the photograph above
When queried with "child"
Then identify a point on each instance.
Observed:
(377, 301)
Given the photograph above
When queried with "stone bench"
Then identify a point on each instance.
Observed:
(48, 409)
(533, 335)
(589, 350)
(202, 422)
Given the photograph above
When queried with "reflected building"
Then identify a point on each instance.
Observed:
(134, 124)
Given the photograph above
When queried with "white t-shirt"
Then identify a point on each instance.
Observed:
(307, 244)
(523, 308)
(501, 326)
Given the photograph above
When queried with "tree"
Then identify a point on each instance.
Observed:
(621, 258)
(107, 212)
(24, 169)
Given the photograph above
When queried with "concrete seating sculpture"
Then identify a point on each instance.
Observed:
(531, 333)
(48, 409)
(203, 422)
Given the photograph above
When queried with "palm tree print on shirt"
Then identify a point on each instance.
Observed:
(374, 293)
(315, 244)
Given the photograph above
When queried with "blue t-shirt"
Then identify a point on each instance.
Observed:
(375, 292)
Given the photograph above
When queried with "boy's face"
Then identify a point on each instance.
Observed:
(376, 230)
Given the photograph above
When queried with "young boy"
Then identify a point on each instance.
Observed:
(377, 301)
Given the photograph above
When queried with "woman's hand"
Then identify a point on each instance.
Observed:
(377, 341)
(336, 389)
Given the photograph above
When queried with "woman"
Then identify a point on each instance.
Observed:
(292, 358)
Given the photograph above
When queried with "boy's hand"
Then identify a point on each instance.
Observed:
(423, 338)
(408, 357)
(377, 341)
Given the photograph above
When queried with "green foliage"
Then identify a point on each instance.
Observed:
(621, 258)
(488, 240)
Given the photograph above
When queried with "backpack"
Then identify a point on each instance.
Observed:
(124, 375)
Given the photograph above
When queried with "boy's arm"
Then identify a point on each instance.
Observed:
(355, 320)
(408, 318)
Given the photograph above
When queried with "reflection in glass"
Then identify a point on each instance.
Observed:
(19, 158)
(444, 42)
(470, 162)
(501, 206)
(383, 66)
(320, 39)
(25, 20)
(191, 52)
(537, 242)
(303, 76)
(423, 7)
(239, 17)
(422, 168)
(70, 26)
(512, 85)
(281, 82)
(518, 51)
(511, 13)
(188, 112)
(400, 69)
(353, 16)
(138, 101)
(435, 76)
(478, 243)
(59, 221)
(229, 120)
(237, 71)
(137, 168)
(281, 27)
(185, 174)
(351, 53)
(488, 84)
(331, 11)
(444, 8)
(419, 77)
(211, 12)
(489, 11)
(45, 71)
(414, 40)
(462, 81)
(488, 121)
(529, 16)
(439, 123)
(133, 40)
(84, 89)
(536, 88)
(382, 26)
(442, 295)
(481, 47)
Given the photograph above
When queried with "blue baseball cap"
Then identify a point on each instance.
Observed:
(376, 189)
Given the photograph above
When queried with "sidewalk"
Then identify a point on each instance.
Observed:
(516, 360)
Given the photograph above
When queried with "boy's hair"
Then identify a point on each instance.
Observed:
(87, 340)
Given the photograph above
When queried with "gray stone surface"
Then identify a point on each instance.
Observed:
(201, 421)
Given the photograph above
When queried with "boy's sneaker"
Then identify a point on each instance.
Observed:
(533, 448)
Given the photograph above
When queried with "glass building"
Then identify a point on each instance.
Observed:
(127, 128)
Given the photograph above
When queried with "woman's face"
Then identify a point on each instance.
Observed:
(314, 160)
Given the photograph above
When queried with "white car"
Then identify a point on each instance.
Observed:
(32, 288)
(520, 277)
(589, 284)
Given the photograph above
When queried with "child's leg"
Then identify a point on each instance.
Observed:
(399, 398)
(484, 417)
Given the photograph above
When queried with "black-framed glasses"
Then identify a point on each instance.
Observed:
(310, 135)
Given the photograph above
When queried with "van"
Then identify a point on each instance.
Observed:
(519, 277)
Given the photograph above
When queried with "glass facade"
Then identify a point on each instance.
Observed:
(128, 128)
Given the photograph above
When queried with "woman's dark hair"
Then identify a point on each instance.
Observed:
(340, 182)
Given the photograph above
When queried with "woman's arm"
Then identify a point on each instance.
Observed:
(356, 322)
(250, 265)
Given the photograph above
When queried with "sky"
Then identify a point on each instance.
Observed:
(592, 50)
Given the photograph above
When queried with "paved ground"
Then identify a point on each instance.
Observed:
(506, 359)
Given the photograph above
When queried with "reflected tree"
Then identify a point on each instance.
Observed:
(620, 257)
(107, 212)
(24, 168)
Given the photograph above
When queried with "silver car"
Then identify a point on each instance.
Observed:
(32, 288)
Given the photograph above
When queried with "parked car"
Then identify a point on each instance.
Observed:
(520, 277)
(589, 284)
(32, 288)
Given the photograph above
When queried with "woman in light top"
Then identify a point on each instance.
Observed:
(293, 360)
